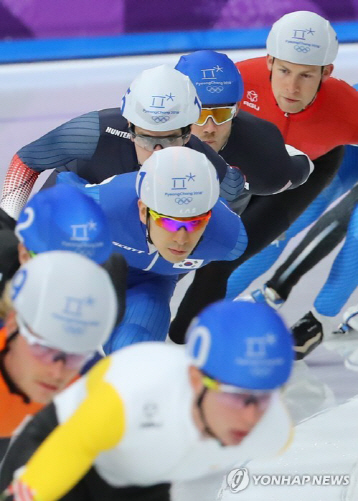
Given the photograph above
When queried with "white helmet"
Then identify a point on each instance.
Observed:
(161, 99)
(66, 299)
(178, 182)
(303, 37)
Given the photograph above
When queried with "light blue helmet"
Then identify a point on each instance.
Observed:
(242, 344)
(215, 76)
(64, 218)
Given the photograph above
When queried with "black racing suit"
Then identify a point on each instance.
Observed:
(98, 145)
(265, 219)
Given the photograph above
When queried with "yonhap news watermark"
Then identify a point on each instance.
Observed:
(239, 479)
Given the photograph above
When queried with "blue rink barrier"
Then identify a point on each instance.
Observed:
(25, 51)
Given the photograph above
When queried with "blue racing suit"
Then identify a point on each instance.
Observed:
(152, 279)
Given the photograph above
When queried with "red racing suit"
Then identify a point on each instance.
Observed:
(330, 121)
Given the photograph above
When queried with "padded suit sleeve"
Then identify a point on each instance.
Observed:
(217, 160)
(69, 451)
(26, 443)
(302, 167)
(75, 139)
(265, 219)
(257, 147)
(19, 181)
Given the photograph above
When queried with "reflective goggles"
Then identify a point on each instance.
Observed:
(150, 142)
(238, 397)
(48, 355)
(174, 224)
(219, 115)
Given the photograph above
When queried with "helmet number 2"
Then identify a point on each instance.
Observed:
(29, 211)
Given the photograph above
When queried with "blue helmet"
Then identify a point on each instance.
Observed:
(64, 218)
(242, 344)
(215, 76)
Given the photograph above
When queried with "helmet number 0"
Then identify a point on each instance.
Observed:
(199, 345)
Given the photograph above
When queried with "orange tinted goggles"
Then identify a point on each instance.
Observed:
(219, 115)
(174, 224)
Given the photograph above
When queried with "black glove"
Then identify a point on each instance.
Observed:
(9, 260)
(116, 266)
(6, 221)
(307, 334)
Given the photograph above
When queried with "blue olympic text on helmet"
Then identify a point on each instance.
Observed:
(183, 194)
(300, 48)
(160, 112)
(303, 46)
(161, 119)
(300, 34)
(183, 201)
(157, 108)
(73, 314)
(158, 101)
(179, 183)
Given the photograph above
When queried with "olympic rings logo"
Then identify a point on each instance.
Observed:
(160, 119)
(302, 48)
(215, 89)
(184, 200)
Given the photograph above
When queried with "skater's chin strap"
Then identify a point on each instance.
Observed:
(207, 429)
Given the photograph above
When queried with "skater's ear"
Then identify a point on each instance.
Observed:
(142, 212)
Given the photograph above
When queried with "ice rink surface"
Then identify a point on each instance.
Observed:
(36, 98)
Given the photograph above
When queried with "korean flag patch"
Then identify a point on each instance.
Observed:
(189, 264)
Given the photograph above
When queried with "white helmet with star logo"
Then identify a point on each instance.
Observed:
(178, 182)
(303, 37)
(161, 99)
(66, 300)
